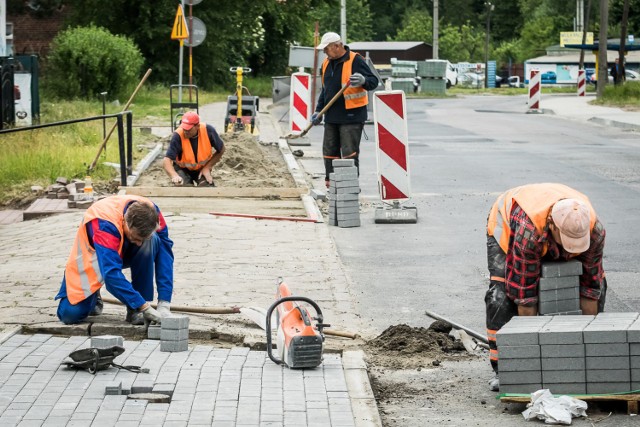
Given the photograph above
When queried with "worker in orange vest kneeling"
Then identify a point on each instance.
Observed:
(119, 232)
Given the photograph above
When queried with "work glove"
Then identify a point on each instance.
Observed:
(164, 308)
(315, 119)
(356, 80)
(151, 315)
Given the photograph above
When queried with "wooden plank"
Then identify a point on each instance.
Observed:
(255, 193)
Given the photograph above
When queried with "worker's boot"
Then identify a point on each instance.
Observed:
(494, 383)
(134, 317)
(97, 309)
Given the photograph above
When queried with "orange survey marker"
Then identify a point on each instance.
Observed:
(299, 335)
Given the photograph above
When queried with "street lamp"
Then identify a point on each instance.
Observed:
(490, 8)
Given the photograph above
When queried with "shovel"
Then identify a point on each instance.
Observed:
(320, 114)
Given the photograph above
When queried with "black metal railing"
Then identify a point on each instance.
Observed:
(126, 153)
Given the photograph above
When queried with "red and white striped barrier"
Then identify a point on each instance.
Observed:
(582, 82)
(534, 91)
(392, 145)
(299, 102)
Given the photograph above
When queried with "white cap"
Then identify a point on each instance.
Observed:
(328, 38)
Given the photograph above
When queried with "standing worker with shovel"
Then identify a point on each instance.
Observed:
(343, 73)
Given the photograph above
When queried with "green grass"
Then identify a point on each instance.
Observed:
(624, 96)
(38, 157)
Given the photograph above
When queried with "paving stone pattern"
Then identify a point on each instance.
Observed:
(211, 387)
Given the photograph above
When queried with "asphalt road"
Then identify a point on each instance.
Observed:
(463, 153)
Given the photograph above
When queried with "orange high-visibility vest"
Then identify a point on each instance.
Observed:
(205, 153)
(82, 272)
(536, 200)
(354, 97)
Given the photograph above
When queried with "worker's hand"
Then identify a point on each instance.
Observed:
(150, 314)
(207, 175)
(164, 308)
(356, 80)
(315, 119)
(176, 180)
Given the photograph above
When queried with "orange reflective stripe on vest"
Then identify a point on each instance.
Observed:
(82, 272)
(536, 201)
(188, 159)
(354, 97)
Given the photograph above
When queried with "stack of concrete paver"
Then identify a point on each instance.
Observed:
(519, 351)
(577, 354)
(344, 188)
(174, 333)
(562, 354)
(559, 288)
(633, 337)
(607, 353)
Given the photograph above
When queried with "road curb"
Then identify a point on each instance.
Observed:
(614, 123)
(363, 402)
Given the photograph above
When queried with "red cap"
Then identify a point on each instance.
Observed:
(189, 120)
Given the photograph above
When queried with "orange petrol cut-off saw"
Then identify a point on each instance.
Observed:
(299, 336)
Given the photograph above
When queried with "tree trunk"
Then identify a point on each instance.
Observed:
(623, 40)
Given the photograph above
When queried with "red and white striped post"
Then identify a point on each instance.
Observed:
(299, 102)
(534, 91)
(392, 153)
(582, 82)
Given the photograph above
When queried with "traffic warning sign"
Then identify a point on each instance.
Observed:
(180, 30)
(392, 153)
(300, 102)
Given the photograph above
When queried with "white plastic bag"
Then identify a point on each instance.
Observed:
(554, 410)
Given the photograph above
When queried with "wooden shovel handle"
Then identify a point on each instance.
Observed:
(329, 104)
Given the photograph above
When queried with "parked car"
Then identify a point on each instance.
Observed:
(630, 76)
(471, 79)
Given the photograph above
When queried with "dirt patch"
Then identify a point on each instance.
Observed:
(406, 347)
(245, 163)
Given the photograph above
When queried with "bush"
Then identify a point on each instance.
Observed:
(85, 61)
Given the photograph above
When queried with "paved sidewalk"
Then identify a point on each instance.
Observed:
(211, 387)
(578, 108)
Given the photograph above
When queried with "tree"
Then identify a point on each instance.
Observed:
(461, 44)
(418, 26)
(359, 20)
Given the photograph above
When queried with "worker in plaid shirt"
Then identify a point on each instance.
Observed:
(526, 226)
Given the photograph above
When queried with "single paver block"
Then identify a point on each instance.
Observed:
(559, 294)
(343, 197)
(523, 377)
(557, 283)
(141, 387)
(608, 375)
(560, 377)
(346, 176)
(608, 362)
(350, 223)
(561, 269)
(175, 322)
(559, 306)
(343, 163)
(611, 349)
(174, 346)
(346, 183)
(519, 388)
(561, 363)
(608, 387)
(345, 190)
(511, 365)
(114, 387)
(348, 210)
(347, 216)
(174, 334)
(566, 388)
(519, 352)
(153, 333)
(106, 341)
(516, 336)
(164, 388)
(561, 350)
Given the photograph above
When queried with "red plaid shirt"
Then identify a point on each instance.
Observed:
(524, 259)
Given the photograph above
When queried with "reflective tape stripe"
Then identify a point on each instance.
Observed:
(355, 95)
(498, 279)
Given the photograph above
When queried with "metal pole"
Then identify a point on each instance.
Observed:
(180, 65)
(343, 21)
(104, 120)
(435, 29)
(471, 332)
(123, 159)
(129, 143)
(190, 48)
(486, 45)
(314, 73)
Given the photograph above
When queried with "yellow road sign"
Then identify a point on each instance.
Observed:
(180, 30)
